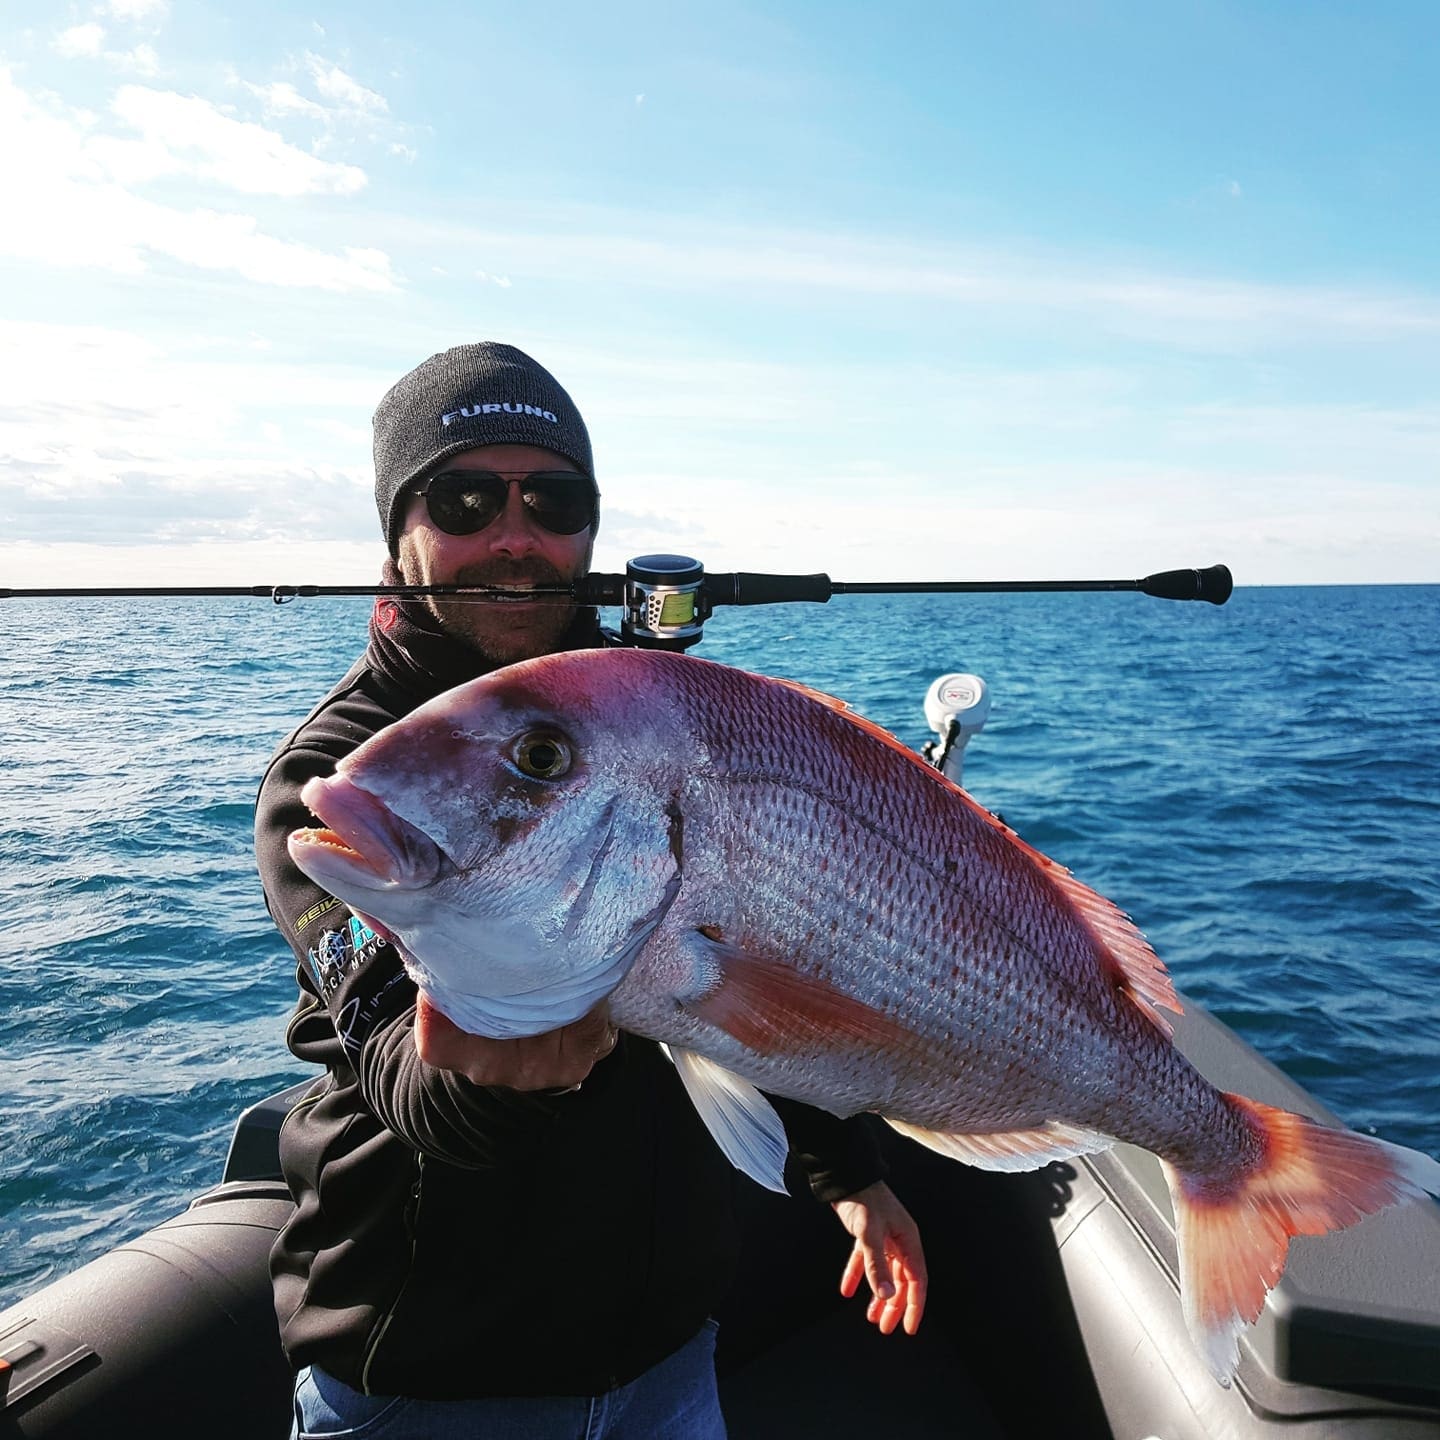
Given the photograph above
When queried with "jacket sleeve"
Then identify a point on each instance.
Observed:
(356, 1008)
(838, 1156)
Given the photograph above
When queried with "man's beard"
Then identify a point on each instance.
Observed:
(503, 632)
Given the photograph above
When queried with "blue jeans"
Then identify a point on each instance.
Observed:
(674, 1400)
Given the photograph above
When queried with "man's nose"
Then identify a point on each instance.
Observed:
(513, 531)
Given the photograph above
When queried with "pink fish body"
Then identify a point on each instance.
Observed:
(793, 902)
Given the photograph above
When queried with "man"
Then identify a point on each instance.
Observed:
(519, 1237)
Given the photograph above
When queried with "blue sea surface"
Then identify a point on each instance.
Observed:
(1258, 785)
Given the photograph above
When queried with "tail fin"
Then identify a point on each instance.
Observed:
(1233, 1239)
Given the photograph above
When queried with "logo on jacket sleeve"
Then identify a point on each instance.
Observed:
(340, 951)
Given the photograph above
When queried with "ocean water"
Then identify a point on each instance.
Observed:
(1258, 785)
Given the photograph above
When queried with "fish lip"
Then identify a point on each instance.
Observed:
(379, 847)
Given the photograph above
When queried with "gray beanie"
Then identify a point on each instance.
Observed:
(483, 394)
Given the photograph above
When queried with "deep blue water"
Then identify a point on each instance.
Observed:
(1259, 785)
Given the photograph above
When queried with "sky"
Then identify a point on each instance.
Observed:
(1049, 289)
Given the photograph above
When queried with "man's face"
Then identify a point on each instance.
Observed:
(514, 549)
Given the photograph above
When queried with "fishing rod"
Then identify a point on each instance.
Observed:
(666, 598)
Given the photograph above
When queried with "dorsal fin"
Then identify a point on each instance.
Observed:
(1136, 969)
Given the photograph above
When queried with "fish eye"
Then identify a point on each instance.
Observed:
(541, 756)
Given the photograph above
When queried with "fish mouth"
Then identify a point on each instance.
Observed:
(362, 842)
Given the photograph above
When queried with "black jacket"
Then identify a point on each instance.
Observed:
(451, 1240)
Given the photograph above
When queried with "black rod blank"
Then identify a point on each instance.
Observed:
(1213, 584)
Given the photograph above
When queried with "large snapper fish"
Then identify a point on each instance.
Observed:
(790, 900)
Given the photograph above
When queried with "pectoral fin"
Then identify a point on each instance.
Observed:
(738, 1116)
(771, 1007)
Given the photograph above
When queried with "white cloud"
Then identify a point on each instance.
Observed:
(191, 381)
(87, 41)
(343, 105)
(211, 241)
(227, 559)
(282, 98)
(162, 442)
(1336, 533)
(334, 84)
(70, 185)
(142, 59)
(1393, 440)
(165, 440)
(185, 135)
(1183, 311)
(1044, 473)
(137, 9)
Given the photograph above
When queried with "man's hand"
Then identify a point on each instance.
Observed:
(888, 1254)
(558, 1060)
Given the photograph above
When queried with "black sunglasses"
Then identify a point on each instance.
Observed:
(463, 502)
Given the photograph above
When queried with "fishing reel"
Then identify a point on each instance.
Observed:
(665, 606)
(666, 599)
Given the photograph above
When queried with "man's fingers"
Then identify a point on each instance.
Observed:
(907, 1309)
(592, 1037)
(582, 1045)
(438, 1040)
(897, 1293)
(881, 1286)
(888, 1299)
(559, 1059)
(877, 1264)
(915, 1304)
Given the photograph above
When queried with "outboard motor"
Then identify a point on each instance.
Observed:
(957, 706)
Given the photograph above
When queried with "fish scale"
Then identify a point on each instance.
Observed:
(879, 957)
(884, 937)
(795, 903)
